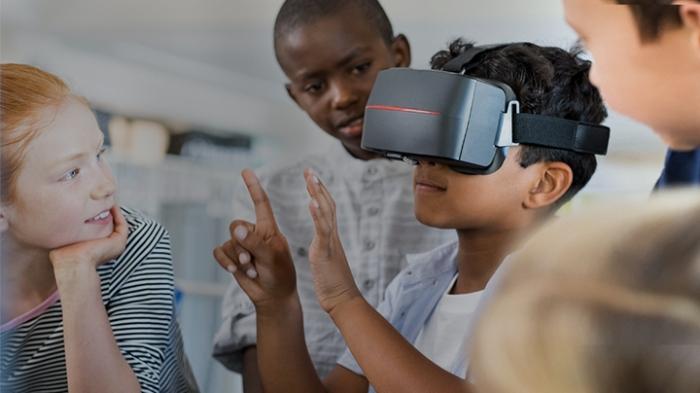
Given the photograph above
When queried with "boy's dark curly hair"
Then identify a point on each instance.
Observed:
(548, 81)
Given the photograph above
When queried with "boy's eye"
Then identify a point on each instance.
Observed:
(313, 87)
(72, 174)
(100, 153)
(362, 68)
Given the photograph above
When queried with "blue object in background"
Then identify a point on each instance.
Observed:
(682, 168)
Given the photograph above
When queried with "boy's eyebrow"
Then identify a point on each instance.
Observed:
(355, 52)
(344, 61)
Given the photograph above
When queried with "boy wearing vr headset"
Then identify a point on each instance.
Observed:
(331, 51)
(647, 66)
(416, 340)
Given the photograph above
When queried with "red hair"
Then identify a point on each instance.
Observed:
(26, 94)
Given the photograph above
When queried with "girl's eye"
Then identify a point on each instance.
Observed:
(100, 153)
(72, 174)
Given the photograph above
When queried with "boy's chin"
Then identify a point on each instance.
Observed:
(432, 221)
(679, 144)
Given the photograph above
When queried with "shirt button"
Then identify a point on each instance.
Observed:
(373, 211)
(368, 284)
(372, 170)
(301, 251)
(369, 245)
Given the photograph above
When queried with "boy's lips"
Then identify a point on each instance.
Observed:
(428, 185)
(352, 129)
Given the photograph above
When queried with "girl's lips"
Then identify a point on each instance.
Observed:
(102, 218)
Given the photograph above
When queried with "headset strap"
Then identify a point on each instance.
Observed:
(560, 133)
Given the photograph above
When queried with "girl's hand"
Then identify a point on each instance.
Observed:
(332, 276)
(93, 252)
(258, 254)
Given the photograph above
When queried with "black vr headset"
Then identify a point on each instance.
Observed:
(463, 122)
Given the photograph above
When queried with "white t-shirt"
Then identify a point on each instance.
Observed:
(443, 339)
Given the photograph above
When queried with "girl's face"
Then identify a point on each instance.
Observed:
(64, 190)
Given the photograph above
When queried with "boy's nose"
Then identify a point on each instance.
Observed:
(343, 96)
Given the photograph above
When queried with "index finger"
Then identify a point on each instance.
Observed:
(264, 216)
(120, 225)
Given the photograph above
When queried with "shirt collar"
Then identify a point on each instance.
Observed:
(435, 262)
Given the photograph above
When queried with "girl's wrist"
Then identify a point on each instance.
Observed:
(61, 261)
(72, 274)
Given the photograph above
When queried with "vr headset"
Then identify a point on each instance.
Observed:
(460, 121)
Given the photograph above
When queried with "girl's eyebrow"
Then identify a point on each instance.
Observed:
(74, 157)
(79, 156)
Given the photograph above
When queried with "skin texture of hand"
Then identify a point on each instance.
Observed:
(93, 252)
(332, 277)
(258, 254)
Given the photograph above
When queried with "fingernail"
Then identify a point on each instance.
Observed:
(240, 232)
(244, 258)
(315, 203)
(231, 268)
(316, 179)
(251, 273)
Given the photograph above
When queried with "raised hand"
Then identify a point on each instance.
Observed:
(258, 254)
(333, 279)
(93, 252)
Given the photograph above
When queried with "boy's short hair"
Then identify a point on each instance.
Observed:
(296, 13)
(547, 81)
(653, 16)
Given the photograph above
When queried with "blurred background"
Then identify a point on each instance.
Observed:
(189, 93)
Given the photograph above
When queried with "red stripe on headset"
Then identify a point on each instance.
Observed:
(402, 109)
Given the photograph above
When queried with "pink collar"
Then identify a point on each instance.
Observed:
(36, 311)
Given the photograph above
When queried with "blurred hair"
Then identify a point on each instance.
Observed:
(653, 16)
(606, 302)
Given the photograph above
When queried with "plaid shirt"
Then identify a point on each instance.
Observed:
(377, 225)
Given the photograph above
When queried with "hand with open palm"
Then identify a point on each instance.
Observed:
(333, 280)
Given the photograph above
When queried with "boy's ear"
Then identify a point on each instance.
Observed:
(690, 13)
(288, 88)
(554, 181)
(4, 223)
(402, 51)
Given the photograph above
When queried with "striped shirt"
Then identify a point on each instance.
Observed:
(138, 295)
(377, 225)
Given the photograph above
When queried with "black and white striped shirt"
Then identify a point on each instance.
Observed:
(138, 294)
